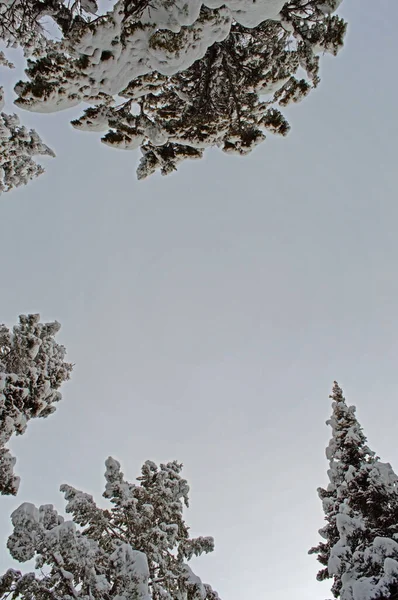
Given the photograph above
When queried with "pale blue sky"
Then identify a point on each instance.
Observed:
(209, 312)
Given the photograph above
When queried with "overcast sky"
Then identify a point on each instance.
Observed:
(209, 312)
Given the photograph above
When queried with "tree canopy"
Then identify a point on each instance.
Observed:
(138, 548)
(171, 78)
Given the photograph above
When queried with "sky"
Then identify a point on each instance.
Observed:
(207, 313)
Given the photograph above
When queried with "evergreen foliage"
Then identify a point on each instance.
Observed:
(192, 75)
(138, 548)
(32, 369)
(360, 549)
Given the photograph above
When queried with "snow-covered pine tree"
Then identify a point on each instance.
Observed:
(360, 549)
(199, 73)
(32, 369)
(137, 549)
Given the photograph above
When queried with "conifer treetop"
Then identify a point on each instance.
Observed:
(360, 549)
(347, 447)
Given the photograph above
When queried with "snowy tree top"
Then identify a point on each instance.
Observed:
(137, 549)
(347, 447)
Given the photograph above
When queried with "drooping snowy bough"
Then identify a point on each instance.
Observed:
(32, 368)
(191, 74)
(138, 549)
(227, 96)
(360, 547)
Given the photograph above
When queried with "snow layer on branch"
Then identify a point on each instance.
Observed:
(382, 558)
(250, 14)
(32, 368)
(101, 58)
(175, 15)
(132, 566)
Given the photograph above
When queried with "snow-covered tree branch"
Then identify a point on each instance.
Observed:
(32, 369)
(18, 146)
(138, 548)
(360, 547)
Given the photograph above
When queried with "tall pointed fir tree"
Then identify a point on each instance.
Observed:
(360, 549)
(137, 549)
(32, 368)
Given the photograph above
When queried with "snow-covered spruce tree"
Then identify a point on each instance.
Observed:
(360, 547)
(199, 74)
(32, 369)
(137, 549)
